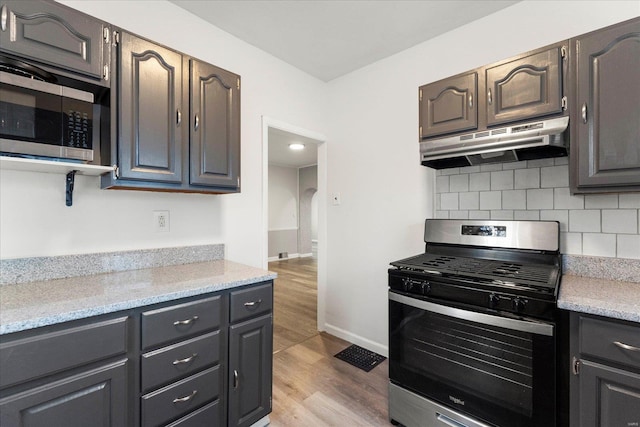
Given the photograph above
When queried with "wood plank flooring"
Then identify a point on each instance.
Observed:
(310, 386)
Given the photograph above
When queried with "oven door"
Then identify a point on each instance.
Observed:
(497, 370)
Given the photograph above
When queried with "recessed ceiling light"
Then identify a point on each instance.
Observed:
(296, 146)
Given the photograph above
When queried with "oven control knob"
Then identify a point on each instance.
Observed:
(518, 304)
(425, 288)
(493, 300)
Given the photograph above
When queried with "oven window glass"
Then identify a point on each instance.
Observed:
(489, 372)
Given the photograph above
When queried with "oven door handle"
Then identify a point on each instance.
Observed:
(530, 326)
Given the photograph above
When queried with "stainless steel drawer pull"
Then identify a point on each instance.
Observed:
(253, 303)
(448, 421)
(489, 97)
(186, 398)
(626, 346)
(584, 113)
(236, 380)
(185, 322)
(185, 360)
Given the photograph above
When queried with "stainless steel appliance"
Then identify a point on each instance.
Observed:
(475, 338)
(42, 118)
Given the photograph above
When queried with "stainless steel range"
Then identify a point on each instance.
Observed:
(475, 337)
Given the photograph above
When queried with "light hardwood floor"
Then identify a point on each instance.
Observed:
(311, 387)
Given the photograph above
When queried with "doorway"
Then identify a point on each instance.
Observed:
(294, 219)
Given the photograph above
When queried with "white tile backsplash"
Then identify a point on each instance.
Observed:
(599, 244)
(514, 199)
(480, 181)
(619, 221)
(554, 176)
(527, 178)
(605, 225)
(584, 221)
(628, 246)
(540, 198)
(459, 183)
(470, 200)
(490, 200)
(502, 180)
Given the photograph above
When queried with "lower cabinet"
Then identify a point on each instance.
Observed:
(605, 389)
(201, 361)
(96, 397)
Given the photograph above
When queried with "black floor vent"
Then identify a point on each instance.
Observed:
(360, 357)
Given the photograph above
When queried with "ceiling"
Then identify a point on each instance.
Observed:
(281, 155)
(330, 38)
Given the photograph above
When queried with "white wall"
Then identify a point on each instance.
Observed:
(35, 222)
(373, 157)
(283, 198)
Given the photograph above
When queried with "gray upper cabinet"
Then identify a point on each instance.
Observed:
(449, 105)
(605, 141)
(215, 126)
(55, 35)
(530, 86)
(150, 100)
(178, 122)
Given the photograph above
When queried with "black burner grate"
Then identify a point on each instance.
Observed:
(360, 357)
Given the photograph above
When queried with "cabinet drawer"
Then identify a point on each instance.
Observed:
(206, 416)
(175, 400)
(610, 340)
(250, 302)
(170, 363)
(179, 321)
(33, 357)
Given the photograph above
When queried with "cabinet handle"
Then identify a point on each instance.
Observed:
(626, 346)
(489, 97)
(253, 303)
(185, 322)
(236, 380)
(3, 19)
(196, 122)
(470, 100)
(185, 398)
(584, 113)
(185, 360)
(178, 116)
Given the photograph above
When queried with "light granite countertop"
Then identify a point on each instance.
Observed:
(35, 304)
(603, 297)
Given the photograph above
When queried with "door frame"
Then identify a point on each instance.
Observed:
(268, 122)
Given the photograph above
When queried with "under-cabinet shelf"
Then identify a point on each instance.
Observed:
(52, 166)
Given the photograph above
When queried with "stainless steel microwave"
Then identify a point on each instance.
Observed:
(39, 118)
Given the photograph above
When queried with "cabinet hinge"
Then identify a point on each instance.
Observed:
(105, 73)
(238, 83)
(563, 51)
(575, 366)
(116, 38)
(106, 34)
(116, 172)
(420, 131)
(564, 103)
(420, 95)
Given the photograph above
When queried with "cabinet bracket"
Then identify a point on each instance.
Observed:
(71, 176)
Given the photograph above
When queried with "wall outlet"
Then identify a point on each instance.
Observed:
(161, 221)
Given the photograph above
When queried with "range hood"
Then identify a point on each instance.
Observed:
(524, 141)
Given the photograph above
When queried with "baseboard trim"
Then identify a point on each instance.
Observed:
(306, 255)
(356, 339)
(275, 258)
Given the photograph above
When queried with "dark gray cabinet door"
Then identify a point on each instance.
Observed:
(605, 141)
(215, 126)
(150, 132)
(449, 105)
(97, 397)
(530, 86)
(53, 34)
(608, 396)
(250, 370)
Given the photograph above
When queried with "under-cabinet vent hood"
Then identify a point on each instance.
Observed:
(524, 141)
